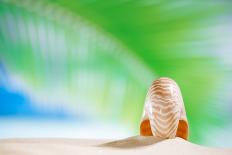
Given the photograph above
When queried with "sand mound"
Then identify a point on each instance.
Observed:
(137, 145)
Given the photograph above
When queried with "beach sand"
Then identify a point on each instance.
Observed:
(137, 145)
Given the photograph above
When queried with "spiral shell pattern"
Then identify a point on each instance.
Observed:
(163, 110)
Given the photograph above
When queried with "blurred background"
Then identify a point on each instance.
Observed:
(81, 69)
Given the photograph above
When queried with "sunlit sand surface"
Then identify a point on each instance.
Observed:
(137, 145)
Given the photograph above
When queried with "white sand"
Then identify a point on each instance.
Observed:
(131, 146)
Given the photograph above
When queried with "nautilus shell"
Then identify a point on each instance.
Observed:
(164, 112)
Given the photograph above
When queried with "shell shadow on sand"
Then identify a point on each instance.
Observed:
(132, 142)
